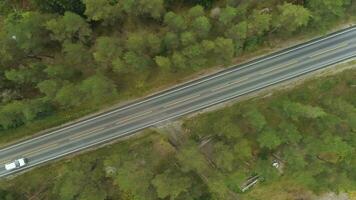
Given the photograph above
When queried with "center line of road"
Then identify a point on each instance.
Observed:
(85, 133)
(181, 101)
(279, 67)
(39, 149)
(328, 50)
(230, 83)
(133, 117)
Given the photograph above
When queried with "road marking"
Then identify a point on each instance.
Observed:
(133, 117)
(39, 149)
(76, 136)
(328, 50)
(230, 83)
(279, 67)
(181, 100)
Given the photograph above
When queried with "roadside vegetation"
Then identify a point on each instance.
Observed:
(61, 59)
(310, 130)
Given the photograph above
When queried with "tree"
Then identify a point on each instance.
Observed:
(179, 61)
(175, 22)
(11, 115)
(289, 133)
(171, 41)
(255, 118)
(133, 178)
(224, 50)
(62, 72)
(103, 10)
(269, 138)
(171, 184)
(69, 95)
(28, 30)
(163, 63)
(26, 75)
(76, 55)
(187, 38)
(295, 110)
(136, 62)
(327, 8)
(49, 87)
(201, 26)
(196, 11)
(259, 23)
(243, 149)
(223, 157)
(36, 108)
(69, 28)
(153, 8)
(294, 159)
(60, 6)
(291, 17)
(107, 49)
(98, 88)
(227, 15)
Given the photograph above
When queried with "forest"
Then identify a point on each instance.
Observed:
(310, 130)
(63, 59)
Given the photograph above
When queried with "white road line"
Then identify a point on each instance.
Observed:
(163, 93)
(279, 67)
(76, 136)
(328, 50)
(182, 100)
(230, 83)
(133, 117)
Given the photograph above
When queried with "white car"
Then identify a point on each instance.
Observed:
(16, 164)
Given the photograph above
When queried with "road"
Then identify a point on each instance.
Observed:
(187, 98)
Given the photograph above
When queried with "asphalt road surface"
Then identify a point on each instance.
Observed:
(187, 98)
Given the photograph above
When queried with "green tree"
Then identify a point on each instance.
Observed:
(107, 49)
(163, 63)
(201, 26)
(326, 8)
(49, 87)
(196, 11)
(224, 50)
(291, 17)
(103, 10)
(60, 6)
(70, 27)
(68, 96)
(28, 30)
(269, 138)
(289, 133)
(227, 15)
(171, 41)
(76, 55)
(98, 88)
(171, 184)
(255, 118)
(153, 8)
(223, 156)
(36, 108)
(175, 22)
(187, 38)
(259, 23)
(26, 75)
(11, 115)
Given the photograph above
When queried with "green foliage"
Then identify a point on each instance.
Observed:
(102, 10)
(97, 88)
(269, 138)
(26, 75)
(28, 29)
(69, 95)
(107, 49)
(60, 6)
(175, 22)
(69, 28)
(171, 184)
(292, 17)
